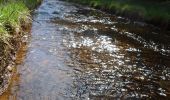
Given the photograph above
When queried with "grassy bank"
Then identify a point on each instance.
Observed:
(15, 18)
(13, 15)
(156, 11)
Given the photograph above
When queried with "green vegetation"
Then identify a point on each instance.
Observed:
(31, 4)
(13, 15)
(15, 18)
(154, 10)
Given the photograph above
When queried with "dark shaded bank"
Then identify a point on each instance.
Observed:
(15, 23)
(155, 12)
(32, 4)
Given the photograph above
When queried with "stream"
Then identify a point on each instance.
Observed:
(79, 53)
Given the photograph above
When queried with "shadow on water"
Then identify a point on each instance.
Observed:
(79, 53)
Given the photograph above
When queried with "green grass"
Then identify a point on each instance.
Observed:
(12, 16)
(148, 9)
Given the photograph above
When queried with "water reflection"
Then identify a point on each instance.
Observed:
(111, 62)
(81, 53)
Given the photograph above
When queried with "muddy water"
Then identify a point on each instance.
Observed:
(79, 53)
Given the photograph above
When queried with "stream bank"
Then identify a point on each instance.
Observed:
(15, 24)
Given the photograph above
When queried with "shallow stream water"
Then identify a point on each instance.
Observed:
(79, 53)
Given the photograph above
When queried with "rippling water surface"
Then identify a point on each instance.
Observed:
(79, 53)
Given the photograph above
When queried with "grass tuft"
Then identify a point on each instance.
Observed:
(12, 16)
